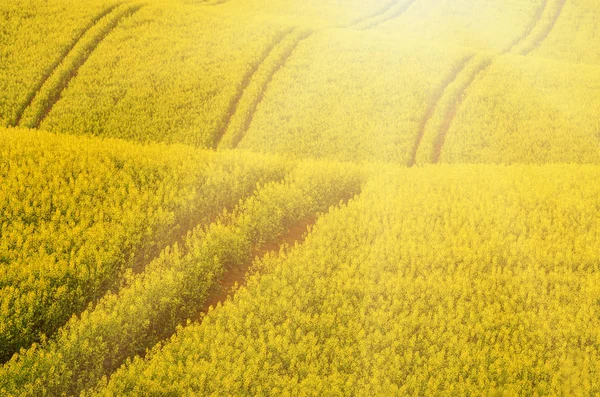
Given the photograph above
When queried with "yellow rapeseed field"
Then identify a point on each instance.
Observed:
(435, 281)
(169, 73)
(376, 91)
(34, 36)
(299, 198)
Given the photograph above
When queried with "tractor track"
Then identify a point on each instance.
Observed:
(433, 105)
(263, 89)
(238, 275)
(548, 29)
(54, 93)
(538, 17)
(249, 78)
(55, 65)
(441, 137)
(245, 83)
(459, 97)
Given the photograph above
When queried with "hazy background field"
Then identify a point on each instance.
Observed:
(250, 197)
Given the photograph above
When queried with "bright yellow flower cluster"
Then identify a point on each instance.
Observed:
(462, 280)
(350, 96)
(76, 213)
(169, 73)
(175, 285)
(35, 36)
(452, 279)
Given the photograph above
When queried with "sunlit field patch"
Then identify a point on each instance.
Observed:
(321, 197)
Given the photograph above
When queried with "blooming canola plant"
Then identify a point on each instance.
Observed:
(242, 197)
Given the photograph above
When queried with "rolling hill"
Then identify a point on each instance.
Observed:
(249, 197)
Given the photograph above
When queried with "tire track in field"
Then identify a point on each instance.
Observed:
(433, 105)
(233, 106)
(295, 233)
(441, 137)
(548, 29)
(539, 12)
(375, 15)
(462, 73)
(260, 96)
(238, 274)
(78, 55)
(381, 17)
(483, 66)
(56, 63)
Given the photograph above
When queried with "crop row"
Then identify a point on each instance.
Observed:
(77, 214)
(170, 73)
(174, 286)
(49, 93)
(446, 280)
(36, 35)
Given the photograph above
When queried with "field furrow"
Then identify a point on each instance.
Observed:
(165, 76)
(176, 285)
(253, 93)
(376, 91)
(394, 11)
(50, 91)
(113, 219)
(236, 277)
(440, 119)
(482, 65)
(429, 270)
(465, 79)
(538, 111)
(299, 198)
(454, 75)
(247, 80)
(545, 30)
(539, 12)
(52, 69)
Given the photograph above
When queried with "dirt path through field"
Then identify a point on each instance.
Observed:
(55, 65)
(263, 89)
(296, 233)
(434, 104)
(245, 82)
